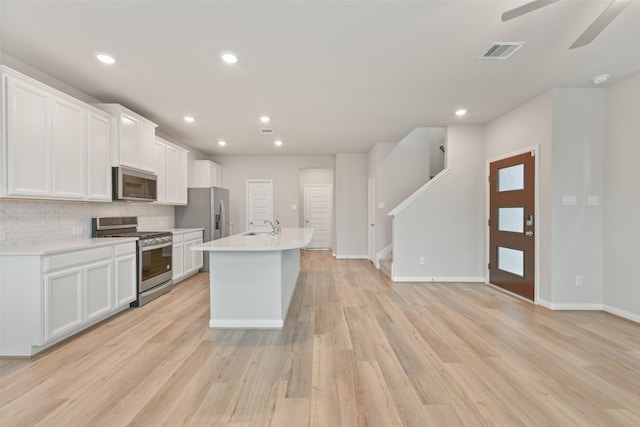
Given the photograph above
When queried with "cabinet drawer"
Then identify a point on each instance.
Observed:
(178, 237)
(192, 235)
(125, 249)
(68, 259)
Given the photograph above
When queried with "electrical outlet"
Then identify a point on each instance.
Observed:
(76, 231)
(421, 260)
(579, 280)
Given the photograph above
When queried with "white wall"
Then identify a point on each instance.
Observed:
(577, 170)
(529, 125)
(445, 224)
(621, 200)
(400, 168)
(437, 137)
(285, 173)
(351, 205)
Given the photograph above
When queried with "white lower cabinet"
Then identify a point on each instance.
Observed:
(49, 297)
(125, 274)
(62, 302)
(186, 262)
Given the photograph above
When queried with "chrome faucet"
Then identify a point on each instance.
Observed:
(274, 228)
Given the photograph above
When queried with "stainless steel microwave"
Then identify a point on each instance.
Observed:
(134, 185)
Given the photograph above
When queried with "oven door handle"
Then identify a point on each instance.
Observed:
(162, 245)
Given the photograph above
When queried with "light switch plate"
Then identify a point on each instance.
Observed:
(593, 201)
(294, 207)
(382, 205)
(569, 200)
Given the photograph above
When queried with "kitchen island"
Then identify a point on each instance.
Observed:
(252, 277)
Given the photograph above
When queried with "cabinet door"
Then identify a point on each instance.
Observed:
(99, 166)
(176, 176)
(178, 262)
(146, 140)
(196, 256)
(28, 140)
(216, 172)
(128, 141)
(126, 283)
(98, 290)
(160, 166)
(68, 144)
(62, 302)
(181, 178)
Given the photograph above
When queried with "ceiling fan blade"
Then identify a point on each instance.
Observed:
(526, 8)
(600, 23)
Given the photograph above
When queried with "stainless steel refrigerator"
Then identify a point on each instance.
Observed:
(207, 208)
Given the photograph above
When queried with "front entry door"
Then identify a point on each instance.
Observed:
(512, 224)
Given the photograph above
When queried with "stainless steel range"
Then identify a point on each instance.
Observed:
(154, 249)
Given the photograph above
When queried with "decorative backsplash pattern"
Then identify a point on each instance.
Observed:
(29, 222)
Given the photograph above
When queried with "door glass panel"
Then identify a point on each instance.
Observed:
(511, 219)
(511, 260)
(511, 178)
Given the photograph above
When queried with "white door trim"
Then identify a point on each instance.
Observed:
(537, 216)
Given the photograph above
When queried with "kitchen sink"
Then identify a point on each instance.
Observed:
(259, 233)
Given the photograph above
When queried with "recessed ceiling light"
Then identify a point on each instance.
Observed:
(105, 59)
(189, 119)
(265, 119)
(597, 80)
(278, 143)
(461, 112)
(222, 143)
(229, 57)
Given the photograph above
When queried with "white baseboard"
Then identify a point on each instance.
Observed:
(246, 323)
(437, 279)
(352, 256)
(622, 313)
(570, 306)
(591, 307)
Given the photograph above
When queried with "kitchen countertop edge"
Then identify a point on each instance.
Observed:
(70, 245)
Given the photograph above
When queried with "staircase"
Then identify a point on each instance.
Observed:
(385, 267)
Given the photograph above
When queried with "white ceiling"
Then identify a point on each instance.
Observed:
(334, 76)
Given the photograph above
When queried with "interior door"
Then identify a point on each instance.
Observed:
(512, 224)
(259, 204)
(317, 215)
(371, 218)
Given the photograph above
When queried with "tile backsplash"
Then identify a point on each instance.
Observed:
(31, 222)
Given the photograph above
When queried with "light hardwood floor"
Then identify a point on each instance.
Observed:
(356, 350)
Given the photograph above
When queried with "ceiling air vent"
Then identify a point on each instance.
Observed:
(265, 130)
(501, 50)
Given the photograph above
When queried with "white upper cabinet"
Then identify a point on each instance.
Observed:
(99, 164)
(132, 138)
(170, 162)
(69, 143)
(28, 138)
(47, 151)
(207, 174)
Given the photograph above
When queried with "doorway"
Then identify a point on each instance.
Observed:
(259, 204)
(317, 214)
(512, 223)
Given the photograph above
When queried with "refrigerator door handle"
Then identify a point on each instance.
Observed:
(223, 219)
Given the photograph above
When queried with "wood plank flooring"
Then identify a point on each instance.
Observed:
(357, 350)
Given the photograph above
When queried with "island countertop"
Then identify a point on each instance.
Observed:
(288, 238)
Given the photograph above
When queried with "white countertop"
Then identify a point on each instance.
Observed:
(288, 238)
(70, 245)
